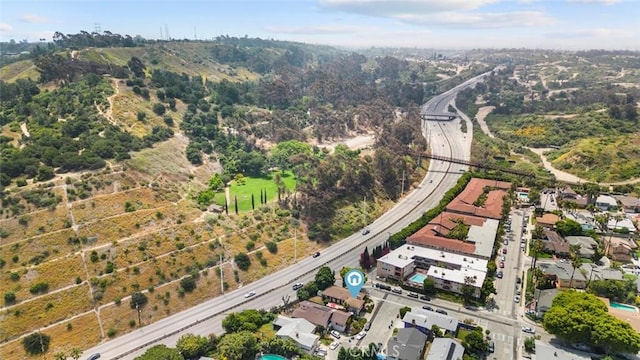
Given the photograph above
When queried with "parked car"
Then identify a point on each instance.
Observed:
(320, 353)
(316, 254)
(492, 347)
(335, 334)
(501, 264)
(499, 274)
(367, 326)
(249, 294)
(297, 286)
(334, 345)
(425, 298)
(412, 295)
(516, 299)
(361, 335)
(634, 255)
(95, 356)
(440, 311)
(518, 280)
(503, 258)
(528, 330)
(427, 307)
(581, 347)
(396, 290)
(504, 251)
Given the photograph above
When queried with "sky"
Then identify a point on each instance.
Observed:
(439, 24)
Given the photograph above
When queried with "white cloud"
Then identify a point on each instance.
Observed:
(389, 8)
(4, 27)
(442, 13)
(482, 20)
(604, 2)
(33, 19)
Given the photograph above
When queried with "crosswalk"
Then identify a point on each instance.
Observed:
(498, 337)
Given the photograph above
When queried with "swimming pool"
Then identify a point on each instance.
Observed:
(272, 357)
(624, 307)
(418, 278)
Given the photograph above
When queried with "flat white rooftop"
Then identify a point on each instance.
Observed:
(405, 255)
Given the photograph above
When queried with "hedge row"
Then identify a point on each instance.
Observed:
(398, 239)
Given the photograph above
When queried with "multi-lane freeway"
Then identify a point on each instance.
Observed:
(445, 139)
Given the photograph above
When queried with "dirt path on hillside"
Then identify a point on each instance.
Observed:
(353, 143)
(482, 113)
(108, 113)
(566, 177)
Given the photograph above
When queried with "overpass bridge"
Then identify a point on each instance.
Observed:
(478, 165)
(439, 116)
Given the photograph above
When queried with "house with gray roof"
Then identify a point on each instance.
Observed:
(299, 330)
(587, 244)
(594, 272)
(543, 299)
(561, 274)
(546, 351)
(424, 320)
(445, 349)
(408, 344)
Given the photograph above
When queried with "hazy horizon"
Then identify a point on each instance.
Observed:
(354, 24)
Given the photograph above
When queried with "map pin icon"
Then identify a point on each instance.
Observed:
(354, 280)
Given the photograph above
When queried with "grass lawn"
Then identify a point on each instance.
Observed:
(462, 333)
(253, 185)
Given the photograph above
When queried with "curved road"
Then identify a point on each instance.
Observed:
(445, 139)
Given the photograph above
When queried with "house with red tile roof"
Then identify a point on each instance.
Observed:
(436, 234)
(481, 197)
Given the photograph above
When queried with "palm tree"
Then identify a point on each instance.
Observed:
(536, 248)
(537, 275)
(574, 251)
(617, 218)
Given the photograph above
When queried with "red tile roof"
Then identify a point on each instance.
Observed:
(492, 207)
(433, 235)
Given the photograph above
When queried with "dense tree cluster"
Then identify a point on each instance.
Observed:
(582, 318)
(66, 133)
(94, 39)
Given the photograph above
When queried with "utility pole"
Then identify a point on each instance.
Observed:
(364, 211)
(402, 191)
(139, 319)
(221, 276)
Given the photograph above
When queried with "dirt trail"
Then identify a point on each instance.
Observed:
(108, 114)
(566, 177)
(482, 113)
(25, 130)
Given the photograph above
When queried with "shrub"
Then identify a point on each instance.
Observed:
(40, 287)
(188, 284)
(111, 332)
(37, 343)
(9, 297)
(243, 261)
(272, 246)
(250, 245)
